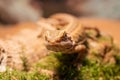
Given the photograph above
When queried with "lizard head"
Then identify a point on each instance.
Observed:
(58, 41)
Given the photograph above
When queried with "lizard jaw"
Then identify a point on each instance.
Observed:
(59, 41)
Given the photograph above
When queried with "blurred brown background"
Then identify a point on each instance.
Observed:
(104, 14)
(16, 11)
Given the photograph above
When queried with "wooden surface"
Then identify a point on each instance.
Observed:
(107, 26)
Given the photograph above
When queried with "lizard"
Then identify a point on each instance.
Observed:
(68, 38)
(72, 37)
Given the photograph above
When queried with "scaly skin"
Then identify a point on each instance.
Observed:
(68, 39)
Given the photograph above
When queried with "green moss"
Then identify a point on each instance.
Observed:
(94, 71)
(106, 39)
(20, 75)
(50, 62)
(63, 65)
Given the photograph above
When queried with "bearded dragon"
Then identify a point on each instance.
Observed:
(66, 39)
(71, 37)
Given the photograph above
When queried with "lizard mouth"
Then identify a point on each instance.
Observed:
(58, 41)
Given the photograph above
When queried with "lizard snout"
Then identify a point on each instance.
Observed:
(58, 41)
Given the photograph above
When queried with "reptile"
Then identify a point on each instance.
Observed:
(69, 38)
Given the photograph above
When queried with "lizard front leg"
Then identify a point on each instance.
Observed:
(81, 51)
